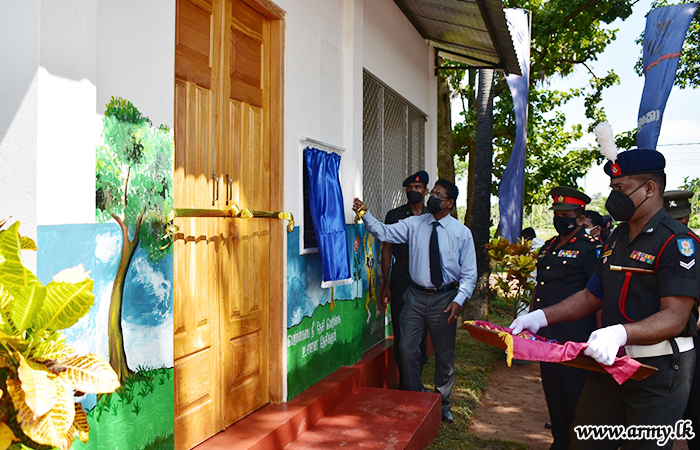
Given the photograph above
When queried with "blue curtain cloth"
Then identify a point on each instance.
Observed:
(510, 191)
(328, 215)
(663, 41)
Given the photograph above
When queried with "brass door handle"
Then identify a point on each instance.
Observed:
(229, 189)
(215, 189)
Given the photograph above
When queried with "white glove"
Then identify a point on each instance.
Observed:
(603, 344)
(532, 322)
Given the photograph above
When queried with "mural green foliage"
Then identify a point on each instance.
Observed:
(134, 175)
(328, 329)
(143, 404)
(133, 187)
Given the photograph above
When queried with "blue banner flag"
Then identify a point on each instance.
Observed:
(663, 41)
(510, 191)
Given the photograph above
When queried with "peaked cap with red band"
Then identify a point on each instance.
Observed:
(566, 198)
(419, 177)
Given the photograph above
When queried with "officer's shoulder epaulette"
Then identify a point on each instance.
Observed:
(674, 226)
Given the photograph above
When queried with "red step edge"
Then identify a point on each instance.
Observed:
(276, 425)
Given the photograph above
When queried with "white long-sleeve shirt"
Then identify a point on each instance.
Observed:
(457, 254)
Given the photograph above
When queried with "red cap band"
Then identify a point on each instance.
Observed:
(558, 199)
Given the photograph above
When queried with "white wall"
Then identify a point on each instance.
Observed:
(60, 62)
(68, 125)
(328, 44)
(19, 63)
(136, 56)
(91, 51)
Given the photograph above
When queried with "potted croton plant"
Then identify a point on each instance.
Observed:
(39, 373)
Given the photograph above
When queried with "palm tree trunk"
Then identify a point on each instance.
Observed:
(445, 159)
(480, 209)
(471, 104)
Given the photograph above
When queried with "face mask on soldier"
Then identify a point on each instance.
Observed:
(414, 197)
(620, 206)
(564, 225)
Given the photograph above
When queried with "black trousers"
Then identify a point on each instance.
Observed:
(658, 400)
(562, 387)
(400, 281)
(692, 411)
(423, 311)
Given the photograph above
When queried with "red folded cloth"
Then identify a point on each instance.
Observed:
(531, 347)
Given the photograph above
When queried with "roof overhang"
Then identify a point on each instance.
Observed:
(473, 32)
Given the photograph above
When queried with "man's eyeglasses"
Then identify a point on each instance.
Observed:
(439, 196)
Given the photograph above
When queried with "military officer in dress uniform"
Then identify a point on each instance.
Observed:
(646, 282)
(677, 204)
(565, 263)
(416, 187)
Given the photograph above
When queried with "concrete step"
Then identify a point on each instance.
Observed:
(278, 426)
(376, 419)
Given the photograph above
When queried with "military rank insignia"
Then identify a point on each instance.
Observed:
(643, 257)
(686, 247)
(568, 254)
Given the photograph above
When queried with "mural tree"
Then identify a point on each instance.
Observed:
(133, 187)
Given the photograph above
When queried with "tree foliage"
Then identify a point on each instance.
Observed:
(133, 187)
(693, 185)
(688, 74)
(566, 35)
(134, 175)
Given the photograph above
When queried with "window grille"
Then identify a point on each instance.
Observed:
(393, 133)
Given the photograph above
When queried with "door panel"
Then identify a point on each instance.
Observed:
(197, 347)
(222, 266)
(246, 151)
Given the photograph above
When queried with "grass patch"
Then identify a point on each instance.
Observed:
(138, 415)
(474, 361)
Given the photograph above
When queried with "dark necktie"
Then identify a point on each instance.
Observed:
(435, 267)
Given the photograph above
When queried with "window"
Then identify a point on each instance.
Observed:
(393, 133)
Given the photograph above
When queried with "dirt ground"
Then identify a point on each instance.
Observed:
(514, 408)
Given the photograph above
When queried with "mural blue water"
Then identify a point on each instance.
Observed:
(147, 315)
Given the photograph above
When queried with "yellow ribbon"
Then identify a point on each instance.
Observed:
(360, 212)
(290, 219)
(505, 336)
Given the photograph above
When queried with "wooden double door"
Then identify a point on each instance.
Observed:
(227, 151)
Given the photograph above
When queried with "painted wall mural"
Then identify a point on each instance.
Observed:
(331, 328)
(131, 322)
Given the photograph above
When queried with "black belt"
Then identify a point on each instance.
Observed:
(432, 291)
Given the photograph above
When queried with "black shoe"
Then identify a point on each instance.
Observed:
(548, 425)
(447, 417)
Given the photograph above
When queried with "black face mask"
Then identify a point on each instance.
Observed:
(414, 197)
(620, 206)
(434, 205)
(565, 225)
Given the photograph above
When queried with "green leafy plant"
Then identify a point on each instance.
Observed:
(39, 373)
(512, 265)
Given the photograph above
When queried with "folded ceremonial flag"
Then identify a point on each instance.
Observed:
(531, 347)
